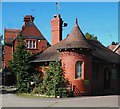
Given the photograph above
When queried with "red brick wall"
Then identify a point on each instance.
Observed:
(113, 82)
(8, 54)
(69, 60)
(98, 84)
(41, 45)
(56, 24)
(9, 33)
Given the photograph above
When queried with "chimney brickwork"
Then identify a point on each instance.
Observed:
(56, 24)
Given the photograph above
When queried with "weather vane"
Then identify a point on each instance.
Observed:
(57, 7)
(32, 12)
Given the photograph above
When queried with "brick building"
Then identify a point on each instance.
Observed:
(115, 47)
(89, 66)
(0, 53)
(33, 39)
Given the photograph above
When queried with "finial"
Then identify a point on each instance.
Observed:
(76, 21)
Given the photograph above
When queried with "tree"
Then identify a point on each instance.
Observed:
(54, 82)
(0, 53)
(90, 36)
(20, 66)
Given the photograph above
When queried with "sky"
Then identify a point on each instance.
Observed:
(98, 18)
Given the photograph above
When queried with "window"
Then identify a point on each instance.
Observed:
(114, 73)
(78, 70)
(27, 43)
(34, 44)
(31, 44)
(107, 74)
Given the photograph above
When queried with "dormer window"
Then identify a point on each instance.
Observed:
(31, 44)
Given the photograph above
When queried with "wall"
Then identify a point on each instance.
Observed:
(7, 55)
(69, 60)
(8, 34)
(41, 45)
(98, 82)
(0, 53)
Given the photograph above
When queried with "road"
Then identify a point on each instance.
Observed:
(11, 100)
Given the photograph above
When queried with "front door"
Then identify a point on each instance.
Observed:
(107, 77)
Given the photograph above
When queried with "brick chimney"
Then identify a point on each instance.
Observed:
(56, 24)
(28, 18)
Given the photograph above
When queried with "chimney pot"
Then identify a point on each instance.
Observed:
(28, 18)
(55, 16)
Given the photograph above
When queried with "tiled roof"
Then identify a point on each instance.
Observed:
(115, 48)
(76, 39)
(9, 41)
(12, 30)
(104, 53)
(33, 37)
(31, 30)
(50, 54)
(10, 35)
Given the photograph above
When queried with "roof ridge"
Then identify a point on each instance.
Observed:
(116, 47)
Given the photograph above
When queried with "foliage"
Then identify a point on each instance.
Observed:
(54, 82)
(90, 36)
(2, 52)
(114, 43)
(21, 67)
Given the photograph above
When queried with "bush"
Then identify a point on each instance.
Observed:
(54, 83)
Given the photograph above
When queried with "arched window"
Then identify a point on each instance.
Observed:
(78, 73)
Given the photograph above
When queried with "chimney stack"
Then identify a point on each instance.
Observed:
(28, 18)
(56, 24)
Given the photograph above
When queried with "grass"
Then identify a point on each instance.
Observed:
(29, 95)
(1, 69)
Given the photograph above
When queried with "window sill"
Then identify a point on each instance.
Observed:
(78, 79)
(32, 48)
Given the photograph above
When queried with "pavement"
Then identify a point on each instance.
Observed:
(8, 99)
(11, 100)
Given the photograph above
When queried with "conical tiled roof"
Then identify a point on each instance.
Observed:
(76, 39)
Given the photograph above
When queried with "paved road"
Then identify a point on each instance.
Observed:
(11, 100)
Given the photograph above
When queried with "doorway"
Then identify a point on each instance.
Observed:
(107, 78)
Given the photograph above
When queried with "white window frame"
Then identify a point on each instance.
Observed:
(34, 44)
(27, 44)
(31, 44)
(78, 69)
